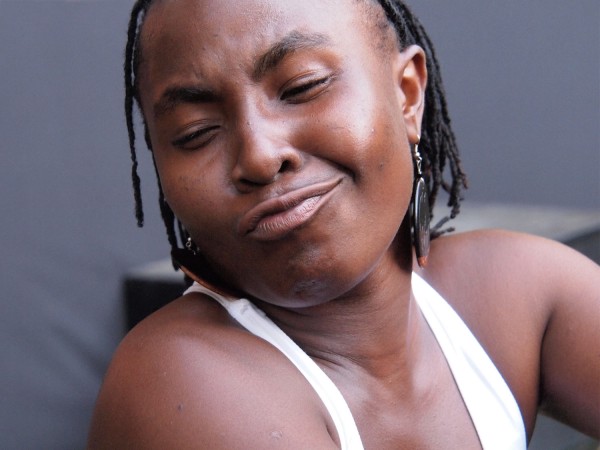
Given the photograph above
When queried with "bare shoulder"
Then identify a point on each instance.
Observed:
(504, 269)
(534, 304)
(188, 377)
(509, 262)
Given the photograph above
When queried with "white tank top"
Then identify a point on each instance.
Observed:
(491, 405)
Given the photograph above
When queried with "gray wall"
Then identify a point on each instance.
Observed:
(67, 231)
(523, 87)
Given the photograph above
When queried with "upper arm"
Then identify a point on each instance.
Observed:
(534, 305)
(145, 401)
(180, 390)
(570, 356)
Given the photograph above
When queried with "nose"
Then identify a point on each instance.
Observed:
(264, 154)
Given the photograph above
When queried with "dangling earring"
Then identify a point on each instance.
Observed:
(420, 211)
(192, 263)
(191, 246)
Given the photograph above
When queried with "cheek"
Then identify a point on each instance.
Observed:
(366, 140)
(195, 195)
(363, 129)
(384, 173)
(372, 146)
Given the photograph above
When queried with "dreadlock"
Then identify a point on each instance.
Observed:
(437, 137)
(133, 56)
(438, 142)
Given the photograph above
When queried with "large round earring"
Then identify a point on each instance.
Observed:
(421, 214)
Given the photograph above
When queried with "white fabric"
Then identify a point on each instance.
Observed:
(491, 405)
(256, 322)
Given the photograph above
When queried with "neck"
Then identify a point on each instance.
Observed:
(375, 328)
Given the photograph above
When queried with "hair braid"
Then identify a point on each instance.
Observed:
(132, 62)
(437, 138)
(130, 94)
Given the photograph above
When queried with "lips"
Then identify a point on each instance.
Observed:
(274, 218)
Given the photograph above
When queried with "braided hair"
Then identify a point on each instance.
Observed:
(438, 144)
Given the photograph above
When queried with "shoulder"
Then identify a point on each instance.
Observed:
(534, 305)
(498, 265)
(188, 377)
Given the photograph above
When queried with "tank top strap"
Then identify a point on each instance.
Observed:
(257, 323)
(491, 405)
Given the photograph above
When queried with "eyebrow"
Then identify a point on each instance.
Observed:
(268, 61)
(176, 95)
(277, 52)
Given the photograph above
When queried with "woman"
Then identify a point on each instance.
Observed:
(292, 141)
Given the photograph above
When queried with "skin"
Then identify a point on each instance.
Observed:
(340, 111)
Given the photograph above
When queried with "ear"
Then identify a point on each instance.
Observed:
(411, 74)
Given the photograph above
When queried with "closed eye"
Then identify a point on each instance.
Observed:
(196, 139)
(305, 91)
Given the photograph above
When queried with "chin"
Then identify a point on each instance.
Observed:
(316, 285)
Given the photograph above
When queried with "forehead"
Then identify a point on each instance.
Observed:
(177, 30)
(247, 17)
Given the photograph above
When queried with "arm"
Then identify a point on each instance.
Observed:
(534, 305)
(185, 378)
(570, 357)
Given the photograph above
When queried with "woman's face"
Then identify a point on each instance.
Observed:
(279, 133)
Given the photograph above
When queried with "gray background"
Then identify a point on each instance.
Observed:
(522, 79)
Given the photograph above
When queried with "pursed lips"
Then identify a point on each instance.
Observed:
(277, 216)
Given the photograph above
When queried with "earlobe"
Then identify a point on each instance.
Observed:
(412, 81)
